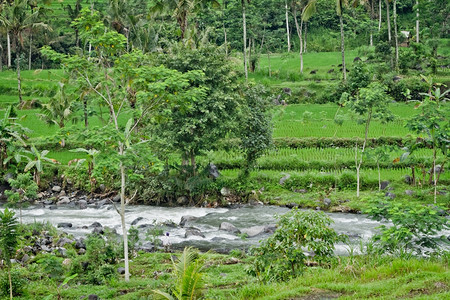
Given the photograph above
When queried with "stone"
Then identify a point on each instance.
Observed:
(146, 247)
(396, 78)
(186, 219)
(64, 225)
(102, 187)
(182, 200)
(98, 230)
(193, 232)
(95, 224)
(390, 195)
(276, 101)
(52, 207)
(64, 241)
(82, 204)
(25, 258)
(225, 226)
(93, 297)
(135, 221)
(66, 262)
(254, 231)
(63, 200)
(145, 226)
(170, 223)
(291, 205)
(408, 179)
(301, 191)
(62, 193)
(79, 244)
(40, 195)
(225, 191)
(384, 184)
(62, 252)
(213, 171)
(357, 59)
(284, 178)
(48, 202)
(327, 201)
(313, 71)
(56, 189)
(330, 71)
(287, 91)
(101, 202)
(409, 192)
(121, 271)
(81, 251)
(116, 198)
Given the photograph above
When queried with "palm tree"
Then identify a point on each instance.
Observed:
(18, 18)
(10, 132)
(244, 25)
(308, 8)
(395, 34)
(58, 110)
(388, 19)
(8, 241)
(339, 6)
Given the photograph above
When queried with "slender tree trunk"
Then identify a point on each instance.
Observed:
(388, 19)
(8, 46)
(86, 121)
(379, 176)
(10, 283)
(417, 21)
(358, 165)
(344, 71)
(299, 33)
(244, 24)
(29, 51)
(122, 216)
(395, 34)
(19, 81)
(225, 37)
(287, 27)
(268, 60)
(193, 163)
(305, 39)
(1, 57)
(250, 55)
(379, 15)
(434, 173)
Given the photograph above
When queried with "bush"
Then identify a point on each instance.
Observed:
(415, 227)
(18, 282)
(281, 256)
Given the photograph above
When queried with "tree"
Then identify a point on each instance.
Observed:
(8, 241)
(244, 35)
(90, 161)
(434, 123)
(18, 18)
(307, 9)
(339, 7)
(36, 161)
(10, 132)
(395, 34)
(58, 110)
(372, 103)
(379, 155)
(23, 188)
(106, 73)
(388, 19)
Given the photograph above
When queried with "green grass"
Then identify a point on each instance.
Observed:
(355, 277)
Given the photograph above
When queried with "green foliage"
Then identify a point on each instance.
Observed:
(52, 266)
(19, 283)
(188, 276)
(23, 189)
(8, 235)
(415, 227)
(282, 256)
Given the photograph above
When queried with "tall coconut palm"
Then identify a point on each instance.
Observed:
(388, 19)
(307, 8)
(395, 33)
(287, 26)
(18, 17)
(244, 25)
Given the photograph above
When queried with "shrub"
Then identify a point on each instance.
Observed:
(18, 283)
(281, 256)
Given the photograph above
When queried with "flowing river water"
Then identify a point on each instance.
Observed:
(357, 226)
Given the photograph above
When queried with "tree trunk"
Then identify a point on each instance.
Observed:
(396, 35)
(434, 173)
(379, 15)
(86, 121)
(306, 36)
(344, 71)
(1, 57)
(417, 21)
(299, 33)
(244, 24)
(287, 28)
(193, 163)
(8, 46)
(29, 51)
(379, 176)
(388, 19)
(10, 283)
(19, 81)
(122, 216)
(268, 60)
(358, 165)
(225, 36)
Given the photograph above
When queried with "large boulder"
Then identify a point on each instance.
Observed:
(213, 171)
(384, 184)
(186, 219)
(254, 231)
(135, 221)
(193, 232)
(64, 241)
(146, 247)
(225, 226)
(284, 178)
(64, 225)
(82, 204)
(56, 189)
(63, 200)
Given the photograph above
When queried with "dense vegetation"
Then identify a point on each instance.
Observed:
(332, 105)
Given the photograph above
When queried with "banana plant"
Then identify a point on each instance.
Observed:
(36, 161)
(92, 154)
